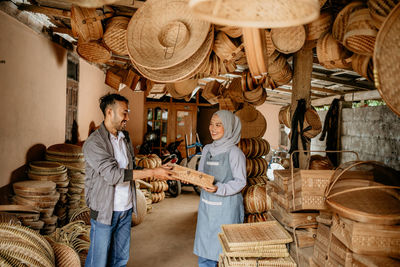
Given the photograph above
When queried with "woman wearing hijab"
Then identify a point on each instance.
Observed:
(223, 202)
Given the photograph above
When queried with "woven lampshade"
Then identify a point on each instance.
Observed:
(163, 34)
(256, 13)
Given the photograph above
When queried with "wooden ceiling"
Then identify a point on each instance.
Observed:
(325, 84)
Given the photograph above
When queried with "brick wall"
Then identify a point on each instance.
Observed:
(373, 132)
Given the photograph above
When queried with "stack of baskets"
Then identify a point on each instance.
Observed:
(41, 196)
(255, 244)
(71, 156)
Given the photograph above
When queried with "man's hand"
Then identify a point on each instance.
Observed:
(211, 189)
(164, 173)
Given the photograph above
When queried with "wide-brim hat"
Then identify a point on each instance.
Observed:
(163, 34)
(183, 70)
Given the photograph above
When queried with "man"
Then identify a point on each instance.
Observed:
(109, 185)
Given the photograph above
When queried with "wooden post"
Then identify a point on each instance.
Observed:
(301, 89)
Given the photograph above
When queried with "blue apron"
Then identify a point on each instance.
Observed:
(216, 210)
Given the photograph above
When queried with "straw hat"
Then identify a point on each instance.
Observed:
(183, 70)
(256, 13)
(163, 34)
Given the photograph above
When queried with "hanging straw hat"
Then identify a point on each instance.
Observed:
(163, 34)
(387, 61)
(256, 13)
(183, 70)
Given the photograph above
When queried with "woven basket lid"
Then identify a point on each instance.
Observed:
(163, 34)
(115, 35)
(93, 51)
(288, 40)
(183, 70)
(35, 186)
(256, 13)
(331, 53)
(387, 61)
(65, 150)
(342, 18)
(83, 25)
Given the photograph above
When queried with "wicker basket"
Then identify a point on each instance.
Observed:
(270, 47)
(115, 35)
(284, 116)
(332, 54)
(288, 40)
(380, 9)
(254, 128)
(278, 69)
(86, 23)
(342, 19)
(93, 51)
(319, 26)
(256, 199)
(363, 65)
(293, 219)
(66, 256)
(360, 33)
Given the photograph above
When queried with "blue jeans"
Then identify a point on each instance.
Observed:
(109, 244)
(203, 262)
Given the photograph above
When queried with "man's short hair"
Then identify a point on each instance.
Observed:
(109, 99)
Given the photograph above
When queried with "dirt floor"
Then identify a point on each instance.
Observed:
(165, 237)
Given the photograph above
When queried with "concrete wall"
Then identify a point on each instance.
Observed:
(372, 132)
(32, 96)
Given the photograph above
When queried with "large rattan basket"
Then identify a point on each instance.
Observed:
(115, 35)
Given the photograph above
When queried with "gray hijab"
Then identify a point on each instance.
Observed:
(232, 129)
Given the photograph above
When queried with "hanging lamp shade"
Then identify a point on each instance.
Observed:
(256, 13)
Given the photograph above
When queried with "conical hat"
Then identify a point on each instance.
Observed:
(163, 33)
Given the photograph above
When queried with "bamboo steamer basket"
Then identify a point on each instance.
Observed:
(342, 19)
(387, 61)
(115, 35)
(360, 33)
(319, 26)
(93, 51)
(369, 239)
(279, 69)
(380, 9)
(270, 14)
(364, 66)
(364, 200)
(164, 34)
(288, 40)
(141, 208)
(331, 53)
(86, 23)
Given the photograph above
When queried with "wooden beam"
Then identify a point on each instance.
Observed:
(325, 90)
(61, 30)
(290, 91)
(324, 101)
(349, 83)
(359, 96)
(129, 3)
(45, 10)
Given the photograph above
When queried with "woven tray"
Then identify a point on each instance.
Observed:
(192, 176)
(270, 251)
(259, 262)
(46, 166)
(386, 61)
(255, 234)
(371, 239)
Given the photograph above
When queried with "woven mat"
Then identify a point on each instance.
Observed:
(255, 234)
(259, 262)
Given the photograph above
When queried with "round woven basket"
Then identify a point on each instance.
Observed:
(387, 61)
(247, 113)
(360, 33)
(311, 119)
(254, 95)
(182, 71)
(364, 66)
(93, 51)
(332, 54)
(278, 69)
(47, 167)
(318, 162)
(256, 13)
(255, 199)
(288, 40)
(254, 128)
(67, 150)
(380, 9)
(85, 23)
(65, 255)
(342, 18)
(45, 187)
(319, 26)
(115, 35)
(163, 34)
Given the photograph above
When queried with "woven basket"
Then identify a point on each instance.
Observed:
(342, 19)
(270, 47)
(86, 23)
(364, 66)
(254, 128)
(284, 116)
(312, 121)
(25, 253)
(318, 162)
(387, 61)
(360, 33)
(331, 53)
(223, 46)
(66, 150)
(256, 13)
(319, 26)
(65, 255)
(141, 208)
(115, 35)
(380, 9)
(255, 199)
(375, 261)
(259, 262)
(288, 40)
(279, 70)
(247, 114)
(47, 167)
(93, 51)
(164, 34)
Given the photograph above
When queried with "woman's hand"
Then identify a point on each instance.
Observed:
(211, 189)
